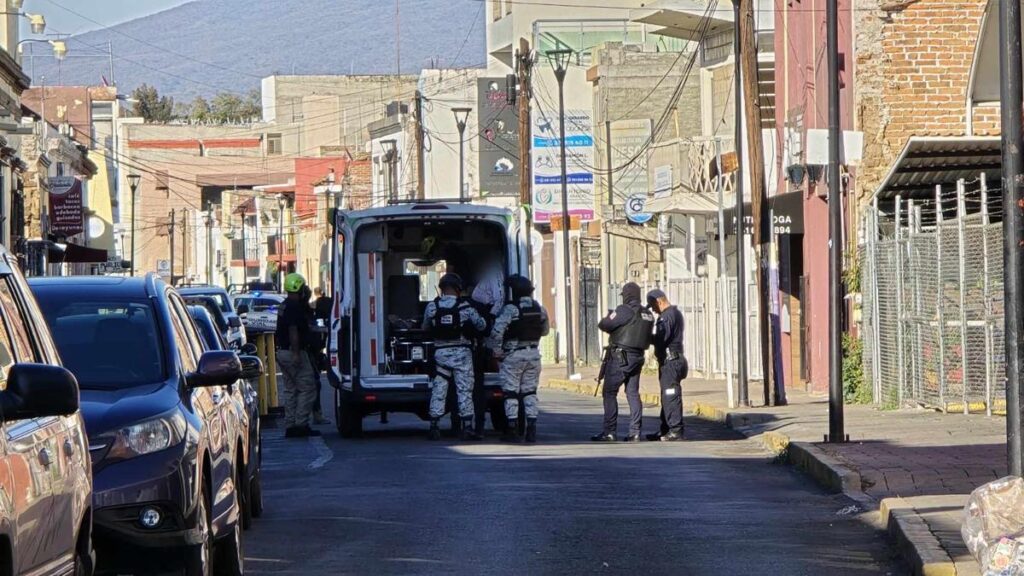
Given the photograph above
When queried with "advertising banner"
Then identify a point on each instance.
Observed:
(65, 205)
(547, 166)
(499, 140)
(628, 140)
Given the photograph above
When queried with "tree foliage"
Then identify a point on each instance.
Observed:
(223, 108)
(149, 104)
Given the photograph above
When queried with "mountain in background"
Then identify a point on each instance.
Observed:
(209, 46)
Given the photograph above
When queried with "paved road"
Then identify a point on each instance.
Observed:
(393, 503)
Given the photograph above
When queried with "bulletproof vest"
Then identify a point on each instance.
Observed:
(529, 326)
(448, 320)
(636, 334)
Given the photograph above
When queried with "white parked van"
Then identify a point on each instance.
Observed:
(386, 263)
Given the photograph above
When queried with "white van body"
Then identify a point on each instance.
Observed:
(385, 264)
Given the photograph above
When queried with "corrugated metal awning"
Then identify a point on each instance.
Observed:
(927, 162)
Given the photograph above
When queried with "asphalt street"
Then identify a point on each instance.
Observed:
(394, 503)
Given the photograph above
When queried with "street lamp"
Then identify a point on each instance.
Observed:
(461, 118)
(208, 220)
(560, 62)
(60, 48)
(390, 152)
(133, 184)
(17, 4)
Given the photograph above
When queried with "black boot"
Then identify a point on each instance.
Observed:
(435, 430)
(510, 436)
(531, 430)
(468, 433)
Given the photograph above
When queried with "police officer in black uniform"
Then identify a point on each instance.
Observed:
(672, 365)
(629, 327)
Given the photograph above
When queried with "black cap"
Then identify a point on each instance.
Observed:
(450, 280)
(655, 295)
(519, 285)
(631, 292)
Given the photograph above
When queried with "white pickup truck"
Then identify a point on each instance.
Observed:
(385, 266)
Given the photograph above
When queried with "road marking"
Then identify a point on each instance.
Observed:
(325, 454)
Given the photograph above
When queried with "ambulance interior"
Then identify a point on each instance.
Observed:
(412, 257)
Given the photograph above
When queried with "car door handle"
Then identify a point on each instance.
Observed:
(44, 457)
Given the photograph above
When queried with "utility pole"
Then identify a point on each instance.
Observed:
(209, 244)
(1013, 221)
(398, 37)
(420, 144)
(758, 198)
(742, 384)
(184, 243)
(245, 251)
(524, 71)
(836, 431)
(170, 235)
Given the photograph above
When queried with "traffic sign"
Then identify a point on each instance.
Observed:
(635, 205)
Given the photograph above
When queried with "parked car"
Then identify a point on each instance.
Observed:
(45, 473)
(248, 405)
(231, 328)
(258, 310)
(167, 446)
(236, 332)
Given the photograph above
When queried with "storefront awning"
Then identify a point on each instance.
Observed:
(73, 253)
(787, 212)
(632, 232)
(682, 18)
(927, 162)
(682, 203)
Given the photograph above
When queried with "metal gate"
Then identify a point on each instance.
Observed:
(589, 315)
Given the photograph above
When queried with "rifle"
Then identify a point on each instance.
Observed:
(600, 373)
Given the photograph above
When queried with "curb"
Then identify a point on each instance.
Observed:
(592, 389)
(919, 547)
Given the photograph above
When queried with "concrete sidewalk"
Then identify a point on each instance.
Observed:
(916, 468)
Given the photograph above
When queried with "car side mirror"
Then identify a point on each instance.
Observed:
(252, 367)
(243, 309)
(248, 349)
(235, 322)
(38, 391)
(216, 368)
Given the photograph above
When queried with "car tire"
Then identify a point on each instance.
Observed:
(256, 495)
(350, 422)
(245, 499)
(498, 419)
(199, 558)
(85, 557)
(230, 559)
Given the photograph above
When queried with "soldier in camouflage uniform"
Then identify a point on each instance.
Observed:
(516, 337)
(452, 323)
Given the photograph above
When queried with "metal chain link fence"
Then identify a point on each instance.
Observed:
(932, 303)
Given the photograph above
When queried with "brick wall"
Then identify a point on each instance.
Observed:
(913, 65)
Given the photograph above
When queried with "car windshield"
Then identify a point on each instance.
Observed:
(222, 300)
(210, 337)
(107, 344)
(211, 306)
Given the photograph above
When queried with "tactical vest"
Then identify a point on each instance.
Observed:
(529, 326)
(637, 333)
(448, 321)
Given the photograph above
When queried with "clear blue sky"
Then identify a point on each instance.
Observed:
(107, 12)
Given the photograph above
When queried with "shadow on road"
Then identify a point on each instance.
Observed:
(394, 503)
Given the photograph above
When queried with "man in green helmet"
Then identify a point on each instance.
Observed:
(294, 339)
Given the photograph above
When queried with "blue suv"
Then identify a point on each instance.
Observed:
(167, 446)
